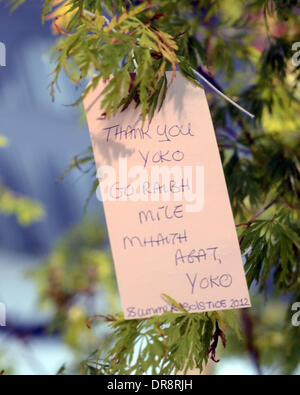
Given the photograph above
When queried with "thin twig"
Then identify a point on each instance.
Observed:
(107, 318)
(249, 223)
(261, 211)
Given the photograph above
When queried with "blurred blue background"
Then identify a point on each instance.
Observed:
(43, 137)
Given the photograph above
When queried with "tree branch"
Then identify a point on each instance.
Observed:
(261, 211)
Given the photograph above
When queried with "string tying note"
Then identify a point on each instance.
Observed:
(222, 94)
(197, 74)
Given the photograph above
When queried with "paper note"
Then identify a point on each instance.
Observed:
(166, 204)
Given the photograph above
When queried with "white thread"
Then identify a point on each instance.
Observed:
(222, 95)
(133, 60)
(89, 13)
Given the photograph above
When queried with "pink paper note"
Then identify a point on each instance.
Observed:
(166, 204)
